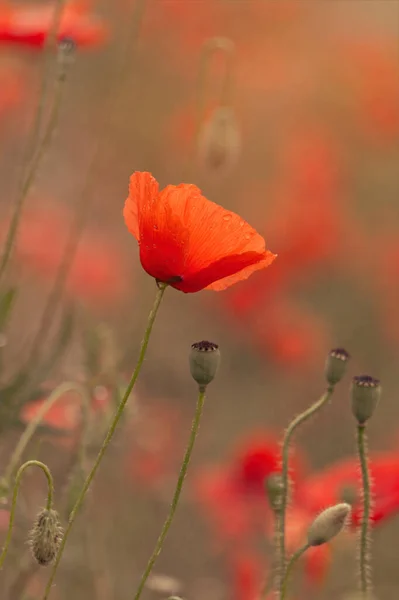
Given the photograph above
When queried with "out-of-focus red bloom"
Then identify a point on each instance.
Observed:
(342, 480)
(65, 414)
(12, 88)
(370, 71)
(30, 24)
(98, 272)
(233, 494)
(247, 571)
(189, 242)
(156, 449)
(289, 335)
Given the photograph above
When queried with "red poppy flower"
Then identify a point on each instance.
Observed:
(29, 25)
(188, 241)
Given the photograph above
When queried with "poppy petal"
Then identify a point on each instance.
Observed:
(143, 189)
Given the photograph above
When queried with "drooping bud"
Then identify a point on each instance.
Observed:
(328, 524)
(204, 362)
(219, 140)
(45, 537)
(365, 394)
(274, 490)
(336, 364)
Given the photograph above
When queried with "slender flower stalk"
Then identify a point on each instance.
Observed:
(301, 418)
(18, 477)
(364, 544)
(34, 161)
(177, 493)
(291, 563)
(34, 424)
(118, 414)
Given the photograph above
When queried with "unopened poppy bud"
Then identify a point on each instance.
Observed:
(336, 365)
(328, 524)
(365, 394)
(204, 362)
(219, 140)
(274, 490)
(45, 537)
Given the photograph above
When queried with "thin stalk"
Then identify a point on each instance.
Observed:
(18, 477)
(118, 414)
(284, 491)
(176, 495)
(289, 568)
(33, 425)
(49, 44)
(364, 545)
(30, 175)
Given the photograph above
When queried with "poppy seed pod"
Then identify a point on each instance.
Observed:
(45, 537)
(365, 394)
(328, 524)
(204, 362)
(219, 140)
(336, 364)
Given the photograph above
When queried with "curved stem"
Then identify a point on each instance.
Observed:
(109, 436)
(49, 504)
(176, 495)
(284, 491)
(29, 177)
(289, 568)
(33, 425)
(364, 546)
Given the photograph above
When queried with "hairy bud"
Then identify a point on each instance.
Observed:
(45, 537)
(365, 394)
(328, 524)
(204, 362)
(336, 364)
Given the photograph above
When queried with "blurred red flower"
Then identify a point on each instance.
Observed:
(342, 481)
(97, 274)
(233, 494)
(30, 24)
(154, 448)
(189, 242)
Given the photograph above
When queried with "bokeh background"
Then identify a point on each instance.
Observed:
(312, 157)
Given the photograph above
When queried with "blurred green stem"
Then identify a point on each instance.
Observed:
(118, 414)
(40, 147)
(364, 546)
(281, 514)
(33, 425)
(176, 495)
(289, 568)
(49, 504)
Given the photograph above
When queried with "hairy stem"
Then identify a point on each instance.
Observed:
(364, 545)
(108, 438)
(176, 495)
(18, 477)
(301, 418)
(290, 565)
